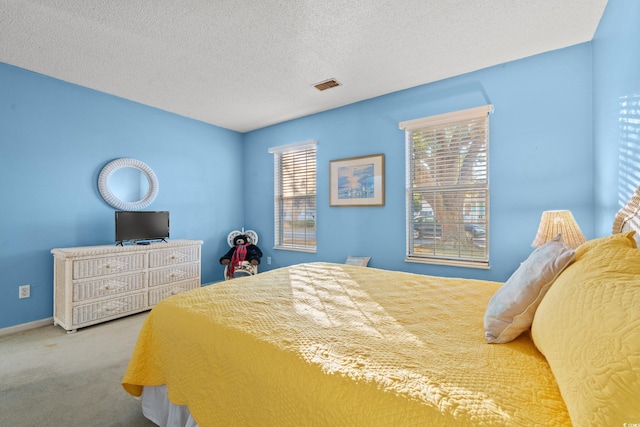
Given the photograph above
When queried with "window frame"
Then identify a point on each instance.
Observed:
(310, 193)
(473, 256)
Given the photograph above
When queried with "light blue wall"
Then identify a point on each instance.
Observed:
(54, 139)
(616, 76)
(541, 158)
(551, 148)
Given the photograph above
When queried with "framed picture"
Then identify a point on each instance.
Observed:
(357, 181)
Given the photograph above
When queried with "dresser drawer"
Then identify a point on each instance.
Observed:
(109, 308)
(107, 265)
(94, 284)
(161, 292)
(176, 273)
(108, 286)
(174, 256)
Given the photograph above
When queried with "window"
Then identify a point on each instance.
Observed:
(295, 196)
(447, 206)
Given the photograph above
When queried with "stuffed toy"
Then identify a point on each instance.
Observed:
(242, 250)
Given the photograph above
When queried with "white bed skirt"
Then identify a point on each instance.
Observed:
(157, 408)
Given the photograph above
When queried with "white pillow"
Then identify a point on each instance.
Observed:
(510, 311)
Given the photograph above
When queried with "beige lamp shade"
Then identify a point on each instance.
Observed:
(553, 223)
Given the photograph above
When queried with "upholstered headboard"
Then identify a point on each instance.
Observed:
(628, 218)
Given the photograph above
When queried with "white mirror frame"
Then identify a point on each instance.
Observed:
(109, 197)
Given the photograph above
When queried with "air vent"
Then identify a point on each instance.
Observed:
(327, 84)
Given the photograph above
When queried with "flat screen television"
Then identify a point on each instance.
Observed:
(141, 226)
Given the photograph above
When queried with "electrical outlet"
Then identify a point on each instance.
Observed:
(24, 291)
(268, 260)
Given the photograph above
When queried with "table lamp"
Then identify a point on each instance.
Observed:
(553, 223)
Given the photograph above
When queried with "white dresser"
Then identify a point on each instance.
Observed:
(93, 284)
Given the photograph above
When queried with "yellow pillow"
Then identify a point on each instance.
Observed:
(588, 328)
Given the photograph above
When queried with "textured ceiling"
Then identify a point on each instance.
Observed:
(246, 64)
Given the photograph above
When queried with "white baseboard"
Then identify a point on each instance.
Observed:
(26, 326)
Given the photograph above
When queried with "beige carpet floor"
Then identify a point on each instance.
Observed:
(51, 378)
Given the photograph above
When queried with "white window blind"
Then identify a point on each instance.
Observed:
(447, 188)
(295, 196)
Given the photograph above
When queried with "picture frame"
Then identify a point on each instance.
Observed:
(357, 181)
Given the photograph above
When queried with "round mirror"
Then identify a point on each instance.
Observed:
(128, 184)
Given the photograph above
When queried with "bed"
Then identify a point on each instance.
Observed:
(330, 344)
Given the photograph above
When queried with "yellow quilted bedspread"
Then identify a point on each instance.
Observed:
(336, 345)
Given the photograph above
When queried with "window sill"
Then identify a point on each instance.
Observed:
(296, 249)
(449, 262)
